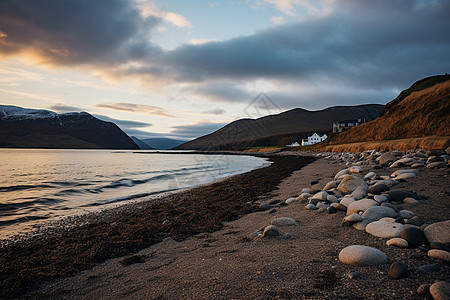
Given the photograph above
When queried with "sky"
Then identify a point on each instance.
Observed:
(182, 69)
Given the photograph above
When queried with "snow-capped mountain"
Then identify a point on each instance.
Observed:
(34, 128)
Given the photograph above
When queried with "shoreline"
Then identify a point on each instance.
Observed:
(127, 230)
(234, 263)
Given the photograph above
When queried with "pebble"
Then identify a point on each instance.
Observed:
(424, 290)
(428, 269)
(332, 198)
(439, 254)
(405, 171)
(265, 206)
(410, 201)
(360, 205)
(350, 183)
(440, 290)
(339, 206)
(273, 210)
(330, 185)
(414, 236)
(385, 230)
(398, 242)
(437, 165)
(306, 191)
(361, 226)
(370, 176)
(406, 214)
(290, 200)
(359, 193)
(405, 176)
(438, 232)
(354, 275)
(322, 196)
(390, 205)
(379, 188)
(311, 207)
(322, 205)
(359, 255)
(399, 195)
(331, 210)
(375, 213)
(398, 270)
(283, 221)
(271, 231)
(386, 158)
(436, 245)
(353, 218)
(314, 182)
(287, 236)
(380, 198)
(347, 200)
(342, 174)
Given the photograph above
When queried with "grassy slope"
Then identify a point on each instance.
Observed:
(420, 114)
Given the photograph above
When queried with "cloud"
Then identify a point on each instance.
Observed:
(191, 131)
(123, 123)
(138, 108)
(62, 108)
(277, 20)
(66, 32)
(217, 111)
(382, 43)
(223, 91)
(149, 9)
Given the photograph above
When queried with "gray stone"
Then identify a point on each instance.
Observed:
(428, 269)
(403, 171)
(405, 176)
(439, 254)
(381, 198)
(314, 201)
(390, 205)
(398, 242)
(415, 221)
(304, 197)
(436, 245)
(306, 190)
(440, 290)
(386, 158)
(406, 214)
(332, 198)
(322, 205)
(439, 232)
(399, 195)
(385, 230)
(437, 165)
(402, 162)
(353, 218)
(339, 206)
(283, 221)
(347, 200)
(342, 173)
(273, 210)
(360, 205)
(410, 201)
(287, 236)
(350, 183)
(265, 206)
(271, 231)
(290, 200)
(398, 270)
(361, 226)
(356, 169)
(432, 159)
(322, 196)
(378, 188)
(321, 210)
(358, 255)
(359, 193)
(311, 207)
(375, 213)
(370, 176)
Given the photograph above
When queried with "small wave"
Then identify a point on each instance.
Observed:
(19, 219)
(25, 204)
(22, 187)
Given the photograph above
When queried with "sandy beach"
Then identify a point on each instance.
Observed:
(230, 263)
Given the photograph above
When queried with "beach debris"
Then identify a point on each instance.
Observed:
(359, 255)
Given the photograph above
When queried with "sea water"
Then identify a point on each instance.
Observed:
(39, 185)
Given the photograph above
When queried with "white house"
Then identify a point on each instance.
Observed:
(314, 139)
(295, 144)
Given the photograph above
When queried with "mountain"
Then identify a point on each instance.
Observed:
(32, 128)
(142, 145)
(420, 111)
(280, 129)
(163, 143)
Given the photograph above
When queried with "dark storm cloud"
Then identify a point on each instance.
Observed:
(67, 32)
(383, 43)
(195, 130)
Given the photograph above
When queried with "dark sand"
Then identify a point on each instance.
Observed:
(228, 264)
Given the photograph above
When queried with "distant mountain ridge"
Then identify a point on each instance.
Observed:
(33, 128)
(280, 129)
(163, 143)
(420, 111)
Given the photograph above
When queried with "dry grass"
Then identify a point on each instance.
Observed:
(422, 114)
(262, 150)
(431, 142)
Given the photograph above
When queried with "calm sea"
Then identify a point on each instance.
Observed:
(38, 186)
